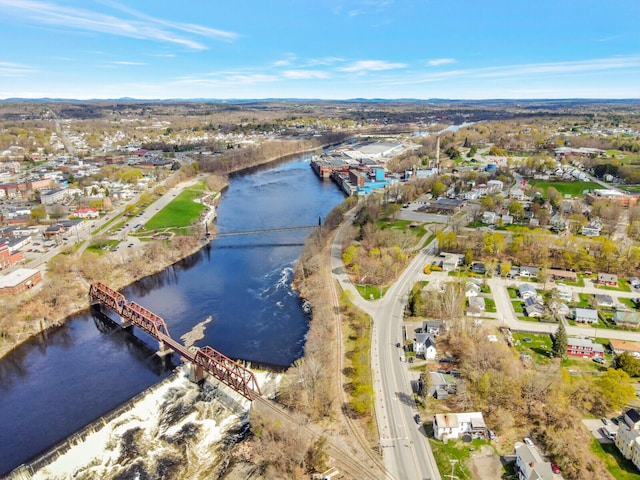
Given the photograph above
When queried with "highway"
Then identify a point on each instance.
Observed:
(405, 447)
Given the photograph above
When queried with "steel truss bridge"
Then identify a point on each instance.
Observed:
(204, 360)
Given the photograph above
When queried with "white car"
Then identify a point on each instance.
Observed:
(528, 441)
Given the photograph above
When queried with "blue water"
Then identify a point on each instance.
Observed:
(53, 386)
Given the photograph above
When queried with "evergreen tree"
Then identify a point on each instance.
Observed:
(560, 341)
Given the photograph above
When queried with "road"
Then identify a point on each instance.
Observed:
(405, 447)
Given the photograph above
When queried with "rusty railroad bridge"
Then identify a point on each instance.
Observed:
(205, 360)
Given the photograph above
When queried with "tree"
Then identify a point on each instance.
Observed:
(616, 389)
(38, 213)
(559, 341)
(629, 364)
(438, 189)
(517, 210)
(468, 257)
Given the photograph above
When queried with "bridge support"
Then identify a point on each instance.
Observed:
(196, 373)
(163, 350)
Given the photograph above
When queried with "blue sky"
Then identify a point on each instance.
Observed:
(332, 49)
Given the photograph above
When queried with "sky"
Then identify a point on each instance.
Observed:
(324, 49)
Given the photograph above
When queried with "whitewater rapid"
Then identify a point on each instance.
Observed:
(177, 430)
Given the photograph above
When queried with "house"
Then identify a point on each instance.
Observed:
(605, 301)
(626, 318)
(584, 347)
(620, 346)
(528, 272)
(489, 217)
(86, 213)
(425, 345)
(507, 219)
(526, 290)
(477, 302)
(441, 385)
(478, 268)
(562, 275)
(559, 309)
(8, 257)
(628, 442)
(564, 293)
(452, 425)
(631, 418)
(586, 315)
(530, 465)
(608, 279)
(53, 230)
(534, 307)
(517, 193)
(593, 229)
(18, 281)
(433, 327)
(471, 290)
(495, 186)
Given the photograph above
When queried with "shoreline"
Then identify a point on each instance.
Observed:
(57, 321)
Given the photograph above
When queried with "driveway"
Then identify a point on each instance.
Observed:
(595, 427)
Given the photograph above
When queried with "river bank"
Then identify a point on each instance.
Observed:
(64, 290)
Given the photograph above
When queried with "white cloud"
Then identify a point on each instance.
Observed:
(304, 74)
(10, 69)
(150, 28)
(325, 61)
(124, 62)
(363, 66)
(440, 61)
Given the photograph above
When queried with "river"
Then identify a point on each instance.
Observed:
(59, 382)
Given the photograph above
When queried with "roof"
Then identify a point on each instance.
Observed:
(601, 298)
(589, 313)
(624, 346)
(608, 277)
(526, 287)
(16, 277)
(584, 342)
(536, 468)
(625, 317)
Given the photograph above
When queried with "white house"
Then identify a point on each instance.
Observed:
(489, 217)
(530, 465)
(526, 290)
(452, 425)
(495, 186)
(517, 193)
(586, 315)
(425, 345)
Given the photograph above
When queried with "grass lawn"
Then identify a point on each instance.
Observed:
(180, 212)
(619, 467)
(102, 247)
(628, 303)
(513, 292)
(458, 450)
(538, 347)
(623, 286)
(489, 305)
(366, 291)
(518, 306)
(574, 189)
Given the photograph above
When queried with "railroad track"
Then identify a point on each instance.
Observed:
(344, 461)
(353, 429)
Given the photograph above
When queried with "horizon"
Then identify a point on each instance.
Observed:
(332, 50)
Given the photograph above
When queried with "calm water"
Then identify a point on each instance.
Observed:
(53, 386)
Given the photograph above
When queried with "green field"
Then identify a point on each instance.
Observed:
(574, 189)
(181, 212)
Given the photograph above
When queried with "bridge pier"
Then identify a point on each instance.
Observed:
(163, 350)
(196, 373)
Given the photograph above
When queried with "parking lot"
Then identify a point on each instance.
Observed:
(595, 427)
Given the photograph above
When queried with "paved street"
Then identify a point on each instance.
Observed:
(406, 450)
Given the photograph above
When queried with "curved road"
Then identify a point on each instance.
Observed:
(405, 447)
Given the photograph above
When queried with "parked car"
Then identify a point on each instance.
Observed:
(492, 435)
(528, 441)
(605, 421)
(599, 360)
(555, 468)
(417, 418)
